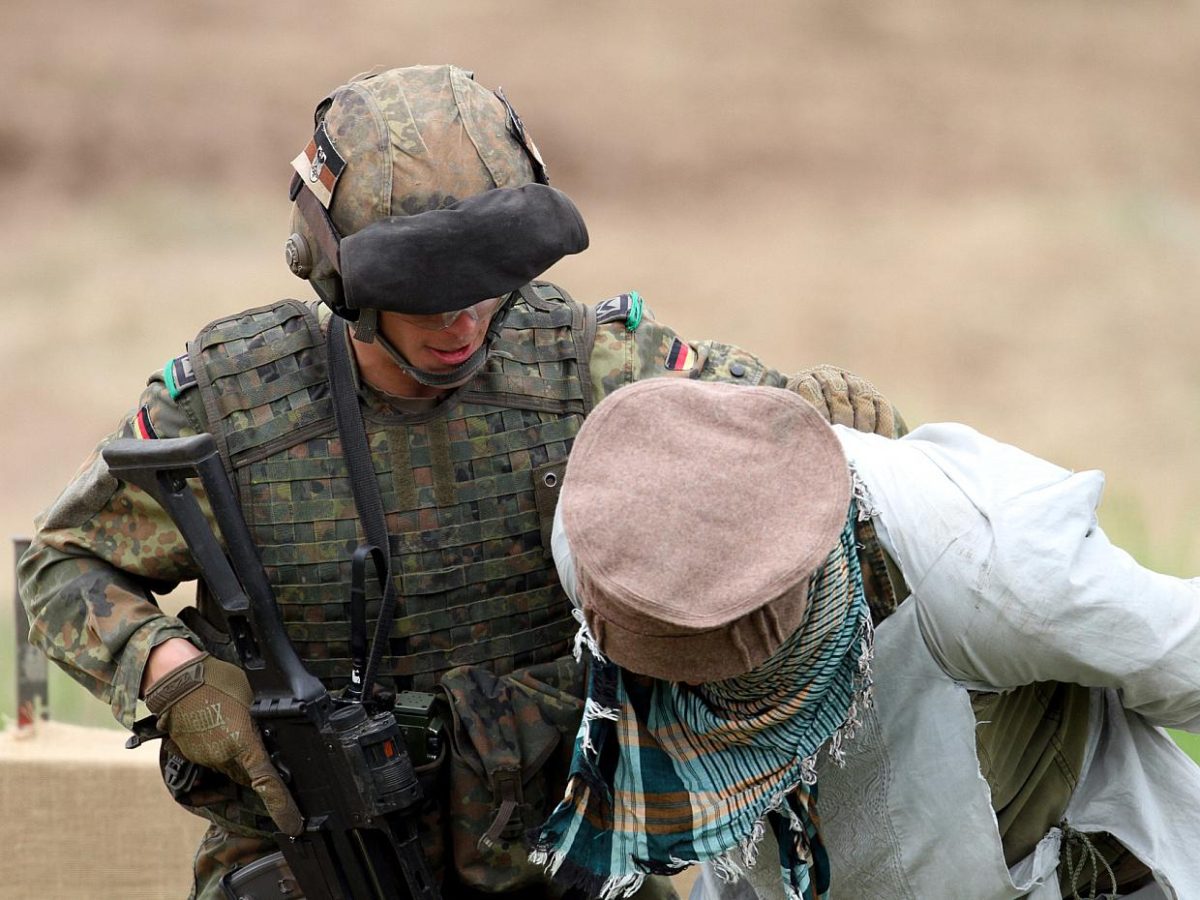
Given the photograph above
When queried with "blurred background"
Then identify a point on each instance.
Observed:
(992, 211)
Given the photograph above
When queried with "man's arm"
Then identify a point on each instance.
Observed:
(621, 356)
(97, 553)
(1015, 581)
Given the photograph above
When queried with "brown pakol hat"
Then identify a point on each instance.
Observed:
(695, 513)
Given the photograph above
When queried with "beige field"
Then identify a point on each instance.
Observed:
(990, 210)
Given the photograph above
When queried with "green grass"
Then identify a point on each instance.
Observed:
(1189, 742)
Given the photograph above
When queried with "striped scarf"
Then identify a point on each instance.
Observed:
(667, 775)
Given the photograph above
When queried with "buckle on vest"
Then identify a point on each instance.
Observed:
(179, 774)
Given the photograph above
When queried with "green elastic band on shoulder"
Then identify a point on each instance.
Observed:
(634, 319)
(169, 379)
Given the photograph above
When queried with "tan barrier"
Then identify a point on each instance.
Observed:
(82, 817)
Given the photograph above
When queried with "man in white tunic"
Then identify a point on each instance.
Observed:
(1002, 737)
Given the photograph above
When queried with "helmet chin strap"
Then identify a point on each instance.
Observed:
(463, 372)
(456, 377)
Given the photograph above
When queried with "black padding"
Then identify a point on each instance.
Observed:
(448, 259)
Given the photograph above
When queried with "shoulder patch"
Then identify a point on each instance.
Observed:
(681, 357)
(178, 375)
(142, 425)
(625, 308)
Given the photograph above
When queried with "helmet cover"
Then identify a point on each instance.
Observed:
(412, 140)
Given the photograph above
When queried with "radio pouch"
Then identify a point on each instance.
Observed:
(509, 763)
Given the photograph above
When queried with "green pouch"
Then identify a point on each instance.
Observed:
(508, 765)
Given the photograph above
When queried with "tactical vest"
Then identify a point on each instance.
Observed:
(468, 488)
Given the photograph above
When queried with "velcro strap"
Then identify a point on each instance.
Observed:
(176, 684)
(506, 787)
(324, 232)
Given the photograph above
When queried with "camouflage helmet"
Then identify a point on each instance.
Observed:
(398, 143)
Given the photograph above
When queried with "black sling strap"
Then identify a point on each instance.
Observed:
(368, 501)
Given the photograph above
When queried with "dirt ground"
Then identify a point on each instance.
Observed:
(990, 210)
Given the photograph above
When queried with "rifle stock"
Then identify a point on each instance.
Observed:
(347, 768)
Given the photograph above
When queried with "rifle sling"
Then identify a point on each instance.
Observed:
(368, 501)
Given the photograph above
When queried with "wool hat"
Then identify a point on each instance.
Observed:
(695, 513)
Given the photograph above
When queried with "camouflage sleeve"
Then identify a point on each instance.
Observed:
(96, 555)
(624, 354)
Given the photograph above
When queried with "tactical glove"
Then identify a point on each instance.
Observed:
(204, 705)
(845, 399)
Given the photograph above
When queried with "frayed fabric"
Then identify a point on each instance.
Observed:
(862, 495)
(592, 711)
(585, 638)
(667, 775)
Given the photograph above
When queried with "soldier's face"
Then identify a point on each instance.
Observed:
(436, 351)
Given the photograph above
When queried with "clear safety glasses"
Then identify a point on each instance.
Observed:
(442, 321)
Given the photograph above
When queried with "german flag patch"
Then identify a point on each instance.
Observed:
(681, 357)
(143, 426)
(319, 165)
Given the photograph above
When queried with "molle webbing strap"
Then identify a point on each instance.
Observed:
(517, 438)
(544, 315)
(552, 374)
(556, 632)
(527, 353)
(516, 401)
(259, 356)
(538, 387)
(583, 333)
(443, 471)
(262, 380)
(278, 428)
(249, 398)
(402, 478)
(558, 310)
(547, 298)
(447, 537)
(438, 620)
(543, 295)
(249, 324)
(295, 470)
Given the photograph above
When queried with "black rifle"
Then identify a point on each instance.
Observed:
(347, 766)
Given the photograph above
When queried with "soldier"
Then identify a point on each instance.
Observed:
(1000, 723)
(420, 217)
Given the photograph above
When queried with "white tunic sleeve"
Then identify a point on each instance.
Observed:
(1015, 581)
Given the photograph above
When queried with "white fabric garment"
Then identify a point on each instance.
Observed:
(1012, 582)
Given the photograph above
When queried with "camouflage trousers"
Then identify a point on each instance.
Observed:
(222, 851)
(219, 853)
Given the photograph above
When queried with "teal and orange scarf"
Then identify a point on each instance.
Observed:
(667, 775)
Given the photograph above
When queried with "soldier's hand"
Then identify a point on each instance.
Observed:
(846, 399)
(204, 705)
